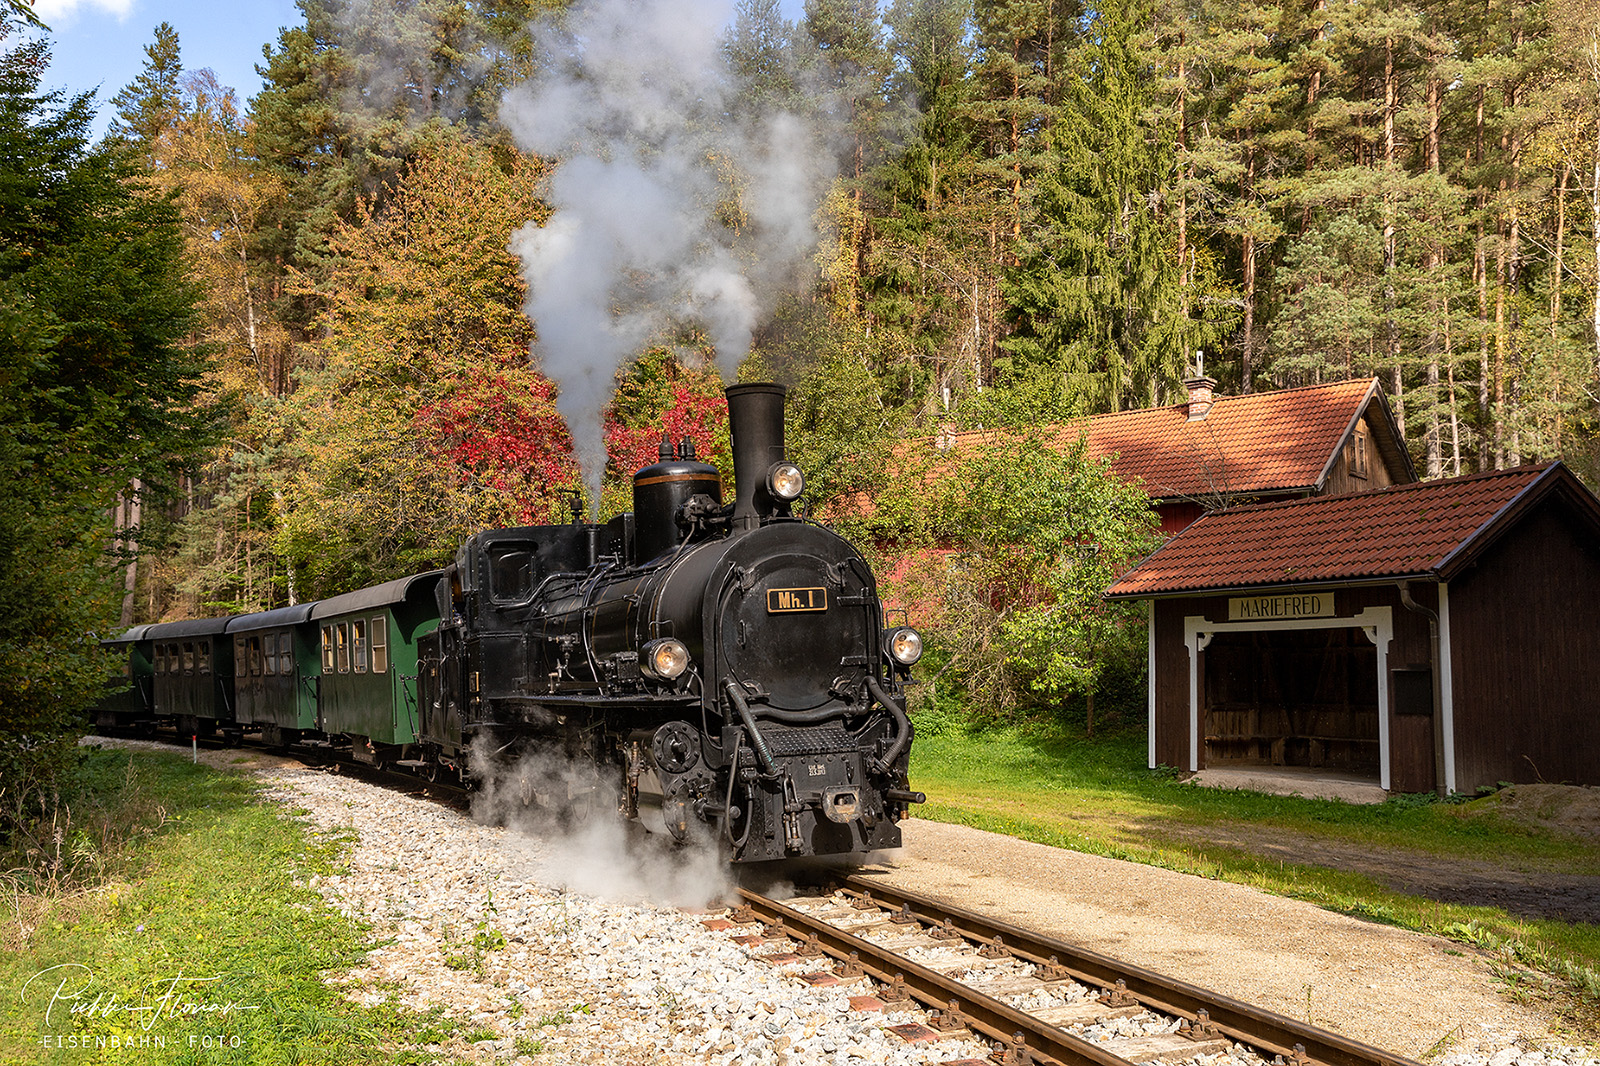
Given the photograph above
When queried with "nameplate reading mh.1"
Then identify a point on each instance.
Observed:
(1253, 608)
(780, 601)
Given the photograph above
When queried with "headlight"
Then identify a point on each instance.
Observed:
(785, 481)
(664, 660)
(903, 645)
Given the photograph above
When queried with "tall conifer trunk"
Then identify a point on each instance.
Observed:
(1391, 327)
(1438, 304)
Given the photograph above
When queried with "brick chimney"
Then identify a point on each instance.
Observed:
(1200, 396)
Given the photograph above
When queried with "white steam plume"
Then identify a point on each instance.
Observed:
(563, 820)
(408, 63)
(657, 154)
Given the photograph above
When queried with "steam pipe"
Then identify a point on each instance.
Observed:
(821, 714)
(742, 708)
(898, 713)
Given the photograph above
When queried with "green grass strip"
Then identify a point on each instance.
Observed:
(201, 944)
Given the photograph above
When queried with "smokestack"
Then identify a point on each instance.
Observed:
(1200, 396)
(755, 419)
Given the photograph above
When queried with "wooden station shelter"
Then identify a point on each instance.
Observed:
(1436, 636)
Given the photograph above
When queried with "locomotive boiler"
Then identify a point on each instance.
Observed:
(725, 668)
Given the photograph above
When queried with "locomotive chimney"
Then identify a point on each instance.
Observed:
(755, 418)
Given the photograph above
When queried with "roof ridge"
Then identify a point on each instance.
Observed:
(1413, 486)
(1081, 419)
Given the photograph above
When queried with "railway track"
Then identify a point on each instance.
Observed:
(1037, 999)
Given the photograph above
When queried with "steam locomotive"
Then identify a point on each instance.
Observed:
(725, 669)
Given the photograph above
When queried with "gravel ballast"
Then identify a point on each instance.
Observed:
(558, 949)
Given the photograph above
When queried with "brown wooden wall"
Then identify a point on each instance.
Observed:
(1172, 682)
(1525, 655)
(1379, 476)
(1410, 736)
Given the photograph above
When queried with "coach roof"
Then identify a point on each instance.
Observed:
(388, 594)
(274, 619)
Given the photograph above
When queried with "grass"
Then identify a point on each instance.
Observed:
(1097, 796)
(190, 936)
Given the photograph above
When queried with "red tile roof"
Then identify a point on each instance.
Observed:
(1260, 443)
(1411, 530)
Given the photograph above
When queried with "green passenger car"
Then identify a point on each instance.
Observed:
(368, 662)
(192, 672)
(275, 672)
(127, 701)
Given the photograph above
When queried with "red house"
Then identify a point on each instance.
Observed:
(1211, 451)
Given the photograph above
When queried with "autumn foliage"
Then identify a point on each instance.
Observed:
(499, 428)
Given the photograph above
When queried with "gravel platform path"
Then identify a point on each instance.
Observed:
(1400, 991)
(599, 966)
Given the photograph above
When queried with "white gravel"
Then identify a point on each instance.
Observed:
(595, 972)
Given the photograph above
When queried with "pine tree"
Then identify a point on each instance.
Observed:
(150, 106)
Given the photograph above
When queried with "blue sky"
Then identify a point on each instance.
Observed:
(99, 44)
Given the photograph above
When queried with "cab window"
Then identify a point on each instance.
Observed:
(511, 576)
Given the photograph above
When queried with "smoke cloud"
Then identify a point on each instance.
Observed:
(676, 206)
(563, 818)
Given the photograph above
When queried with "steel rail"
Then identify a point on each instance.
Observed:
(1046, 1044)
(1256, 1027)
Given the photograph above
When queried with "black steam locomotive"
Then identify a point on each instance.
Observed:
(725, 668)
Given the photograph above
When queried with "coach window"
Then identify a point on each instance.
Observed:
(269, 658)
(188, 658)
(286, 654)
(255, 656)
(203, 659)
(327, 649)
(241, 649)
(358, 644)
(380, 645)
(341, 645)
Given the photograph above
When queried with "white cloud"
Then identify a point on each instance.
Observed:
(52, 12)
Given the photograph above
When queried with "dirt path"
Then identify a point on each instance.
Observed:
(1477, 882)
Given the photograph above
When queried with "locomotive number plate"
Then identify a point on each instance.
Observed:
(783, 601)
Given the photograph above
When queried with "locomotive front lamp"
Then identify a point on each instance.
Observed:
(664, 660)
(903, 645)
(785, 482)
